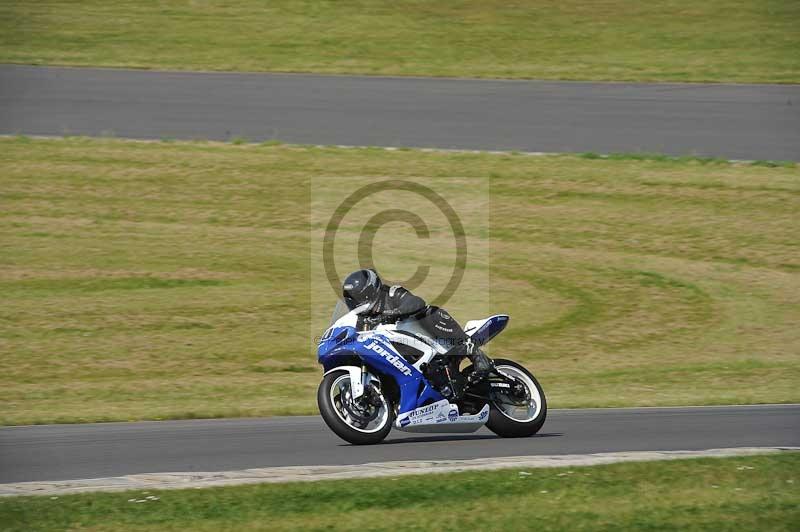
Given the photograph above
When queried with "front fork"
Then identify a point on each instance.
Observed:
(368, 394)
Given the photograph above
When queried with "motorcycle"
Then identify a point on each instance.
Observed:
(378, 376)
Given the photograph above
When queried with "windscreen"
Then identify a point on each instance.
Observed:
(339, 310)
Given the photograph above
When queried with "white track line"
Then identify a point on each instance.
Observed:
(379, 469)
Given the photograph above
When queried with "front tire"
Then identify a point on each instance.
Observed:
(513, 421)
(337, 410)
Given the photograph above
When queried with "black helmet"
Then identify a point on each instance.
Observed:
(361, 287)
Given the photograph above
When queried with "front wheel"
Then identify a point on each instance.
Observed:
(516, 416)
(363, 421)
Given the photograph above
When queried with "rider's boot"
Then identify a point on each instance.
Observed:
(481, 364)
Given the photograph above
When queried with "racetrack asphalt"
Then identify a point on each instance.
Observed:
(728, 121)
(732, 121)
(61, 452)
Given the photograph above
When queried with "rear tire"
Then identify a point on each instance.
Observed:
(334, 418)
(507, 427)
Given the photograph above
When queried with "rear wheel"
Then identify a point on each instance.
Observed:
(363, 421)
(517, 415)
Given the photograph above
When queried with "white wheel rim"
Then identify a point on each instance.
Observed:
(535, 404)
(340, 389)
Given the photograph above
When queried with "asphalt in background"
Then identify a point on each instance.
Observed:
(729, 121)
(60, 452)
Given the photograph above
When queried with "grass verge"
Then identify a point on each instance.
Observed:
(622, 40)
(753, 493)
(151, 280)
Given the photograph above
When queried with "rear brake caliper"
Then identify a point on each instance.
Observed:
(521, 392)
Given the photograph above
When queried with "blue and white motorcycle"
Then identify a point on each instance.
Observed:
(379, 376)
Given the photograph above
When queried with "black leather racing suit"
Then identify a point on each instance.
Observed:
(396, 302)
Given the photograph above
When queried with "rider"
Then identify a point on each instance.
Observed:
(391, 303)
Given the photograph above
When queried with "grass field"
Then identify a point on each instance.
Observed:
(756, 493)
(675, 40)
(152, 280)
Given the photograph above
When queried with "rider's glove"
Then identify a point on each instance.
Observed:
(373, 321)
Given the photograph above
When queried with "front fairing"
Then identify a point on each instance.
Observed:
(339, 337)
(379, 355)
(337, 341)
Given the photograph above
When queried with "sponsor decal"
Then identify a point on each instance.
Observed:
(390, 358)
(500, 385)
(441, 418)
(405, 422)
(483, 415)
(423, 411)
(453, 415)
